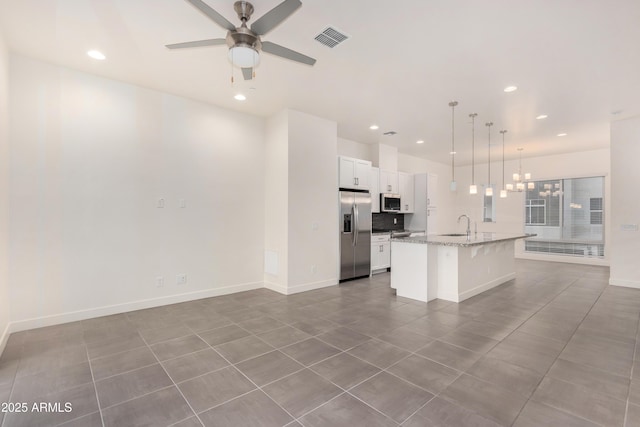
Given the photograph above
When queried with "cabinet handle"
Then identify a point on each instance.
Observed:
(380, 248)
(357, 181)
(428, 201)
(406, 207)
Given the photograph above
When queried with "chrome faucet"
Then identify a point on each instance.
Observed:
(468, 224)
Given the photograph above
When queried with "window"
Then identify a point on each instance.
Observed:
(595, 207)
(489, 206)
(567, 217)
(535, 211)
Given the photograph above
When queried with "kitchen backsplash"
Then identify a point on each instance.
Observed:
(384, 221)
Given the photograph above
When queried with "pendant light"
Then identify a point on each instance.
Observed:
(503, 192)
(473, 188)
(453, 185)
(489, 190)
(521, 179)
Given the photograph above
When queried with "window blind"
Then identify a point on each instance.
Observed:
(567, 215)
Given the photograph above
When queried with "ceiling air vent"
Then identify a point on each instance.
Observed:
(390, 133)
(331, 37)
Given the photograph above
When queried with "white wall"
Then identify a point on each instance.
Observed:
(625, 204)
(276, 184)
(349, 148)
(313, 202)
(510, 211)
(301, 202)
(90, 158)
(4, 194)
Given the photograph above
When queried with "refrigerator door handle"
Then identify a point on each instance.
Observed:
(357, 214)
(354, 230)
(355, 234)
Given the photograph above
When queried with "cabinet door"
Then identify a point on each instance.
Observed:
(432, 221)
(388, 182)
(406, 192)
(375, 256)
(363, 174)
(432, 191)
(347, 168)
(375, 190)
(385, 255)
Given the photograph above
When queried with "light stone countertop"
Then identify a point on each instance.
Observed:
(476, 239)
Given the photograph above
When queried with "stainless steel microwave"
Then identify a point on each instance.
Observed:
(389, 202)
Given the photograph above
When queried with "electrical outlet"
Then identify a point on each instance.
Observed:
(182, 203)
(160, 203)
(314, 226)
(159, 282)
(313, 269)
(181, 279)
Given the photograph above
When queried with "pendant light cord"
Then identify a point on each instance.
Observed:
(453, 104)
(489, 124)
(473, 147)
(503, 131)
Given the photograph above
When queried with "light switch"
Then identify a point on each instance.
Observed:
(182, 203)
(160, 203)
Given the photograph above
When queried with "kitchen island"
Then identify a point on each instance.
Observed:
(452, 268)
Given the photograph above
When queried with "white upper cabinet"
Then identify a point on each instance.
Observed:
(432, 191)
(375, 190)
(407, 197)
(388, 182)
(354, 173)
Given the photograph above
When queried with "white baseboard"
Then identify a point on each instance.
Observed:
(57, 319)
(485, 286)
(625, 283)
(300, 288)
(275, 287)
(567, 259)
(4, 338)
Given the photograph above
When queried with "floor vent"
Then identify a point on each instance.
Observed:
(331, 37)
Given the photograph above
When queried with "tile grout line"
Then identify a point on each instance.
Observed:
(95, 388)
(628, 402)
(560, 352)
(174, 383)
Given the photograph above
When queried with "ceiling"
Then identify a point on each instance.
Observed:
(577, 61)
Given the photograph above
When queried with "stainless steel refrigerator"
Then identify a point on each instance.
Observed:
(355, 234)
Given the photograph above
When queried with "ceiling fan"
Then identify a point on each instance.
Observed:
(244, 42)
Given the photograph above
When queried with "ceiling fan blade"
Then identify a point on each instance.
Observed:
(198, 43)
(276, 49)
(212, 14)
(247, 73)
(275, 16)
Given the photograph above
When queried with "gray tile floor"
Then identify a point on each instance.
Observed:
(556, 346)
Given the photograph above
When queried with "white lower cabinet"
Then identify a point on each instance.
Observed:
(380, 252)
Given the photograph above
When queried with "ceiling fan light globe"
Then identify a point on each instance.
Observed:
(244, 57)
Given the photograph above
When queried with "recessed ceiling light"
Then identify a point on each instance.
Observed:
(96, 54)
(562, 134)
(510, 88)
(452, 152)
(374, 127)
(240, 97)
(420, 142)
(541, 116)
